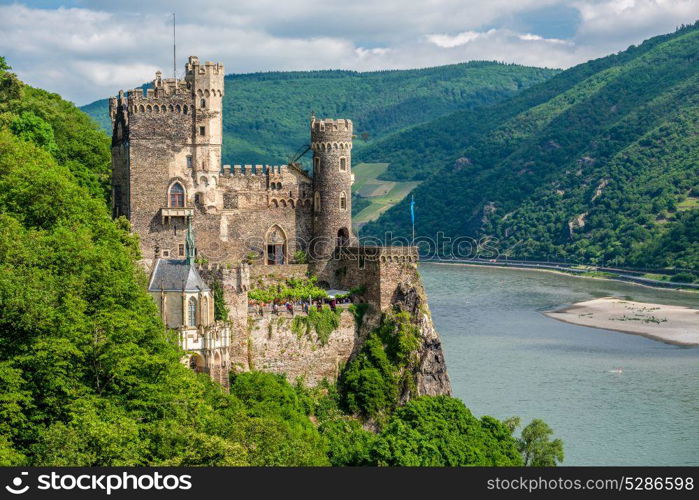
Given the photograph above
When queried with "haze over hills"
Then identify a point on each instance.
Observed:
(266, 114)
(598, 164)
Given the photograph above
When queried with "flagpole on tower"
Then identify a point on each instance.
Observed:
(174, 49)
(412, 214)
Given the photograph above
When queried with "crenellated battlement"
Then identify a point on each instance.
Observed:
(172, 95)
(331, 125)
(193, 66)
(256, 170)
(395, 253)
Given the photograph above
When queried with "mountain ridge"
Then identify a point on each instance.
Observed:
(553, 179)
(265, 114)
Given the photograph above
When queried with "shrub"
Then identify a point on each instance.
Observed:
(683, 277)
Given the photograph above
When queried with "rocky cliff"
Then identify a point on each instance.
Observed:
(431, 370)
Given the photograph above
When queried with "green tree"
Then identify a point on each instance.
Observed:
(441, 431)
(374, 380)
(536, 446)
(278, 423)
(30, 127)
(220, 308)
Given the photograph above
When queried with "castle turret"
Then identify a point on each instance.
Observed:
(331, 142)
(205, 82)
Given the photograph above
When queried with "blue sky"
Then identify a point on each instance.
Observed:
(86, 50)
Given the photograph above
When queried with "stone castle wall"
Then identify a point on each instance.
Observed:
(271, 346)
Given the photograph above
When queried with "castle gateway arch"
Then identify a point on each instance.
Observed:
(276, 246)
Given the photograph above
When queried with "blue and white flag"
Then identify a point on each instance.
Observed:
(412, 209)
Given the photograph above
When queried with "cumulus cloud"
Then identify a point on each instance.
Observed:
(448, 42)
(88, 50)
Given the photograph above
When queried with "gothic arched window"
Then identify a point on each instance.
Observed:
(343, 201)
(203, 103)
(192, 312)
(316, 202)
(176, 195)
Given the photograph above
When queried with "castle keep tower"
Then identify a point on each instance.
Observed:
(331, 142)
(166, 154)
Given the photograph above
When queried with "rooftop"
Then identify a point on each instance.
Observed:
(172, 275)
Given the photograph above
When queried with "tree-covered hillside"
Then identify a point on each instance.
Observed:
(266, 114)
(599, 164)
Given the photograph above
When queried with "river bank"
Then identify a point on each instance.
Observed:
(671, 324)
(577, 273)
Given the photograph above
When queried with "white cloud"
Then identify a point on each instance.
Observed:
(448, 42)
(528, 37)
(627, 19)
(89, 53)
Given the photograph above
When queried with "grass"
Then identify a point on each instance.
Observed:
(658, 277)
(689, 203)
(382, 195)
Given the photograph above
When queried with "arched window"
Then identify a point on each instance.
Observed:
(192, 312)
(316, 165)
(343, 164)
(184, 110)
(316, 202)
(142, 109)
(343, 201)
(176, 195)
(202, 103)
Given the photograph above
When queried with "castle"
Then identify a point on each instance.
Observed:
(251, 222)
(167, 167)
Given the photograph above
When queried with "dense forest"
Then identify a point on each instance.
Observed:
(599, 164)
(265, 115)
(89, 375)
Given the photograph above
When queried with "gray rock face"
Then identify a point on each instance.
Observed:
(431, 375)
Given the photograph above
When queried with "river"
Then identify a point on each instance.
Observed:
(506, 358)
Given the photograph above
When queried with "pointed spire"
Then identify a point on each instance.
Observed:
(190, 248)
